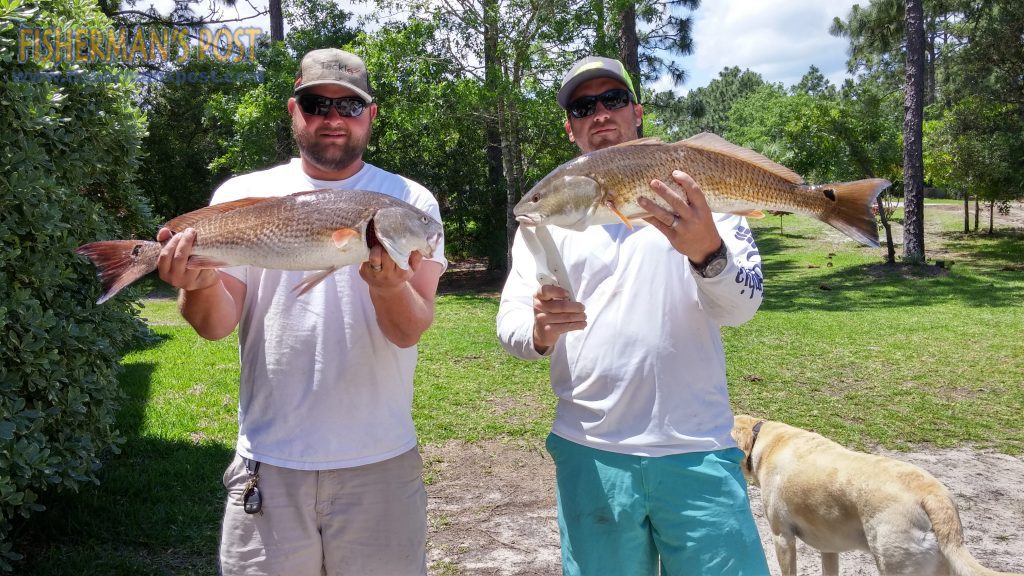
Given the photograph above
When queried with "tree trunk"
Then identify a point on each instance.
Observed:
(603, 45)
(967, 213)
(913, 162)
(284, 130)
(890, 248)
(509, 128)
(276, 21)
(991, 216)
(497, 247)
(977, 208)
(629, 50)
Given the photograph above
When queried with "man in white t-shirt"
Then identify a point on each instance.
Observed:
(327, 478)
(648, 478)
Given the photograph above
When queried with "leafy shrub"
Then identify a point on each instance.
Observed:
(68, 155)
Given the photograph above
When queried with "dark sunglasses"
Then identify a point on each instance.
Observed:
(587, 105)
(317, 105)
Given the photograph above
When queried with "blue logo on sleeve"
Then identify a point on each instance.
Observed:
(749, 275)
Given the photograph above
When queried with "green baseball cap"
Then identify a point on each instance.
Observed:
(589, 68)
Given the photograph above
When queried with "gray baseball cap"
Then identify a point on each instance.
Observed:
(333, 66)
(589, 68)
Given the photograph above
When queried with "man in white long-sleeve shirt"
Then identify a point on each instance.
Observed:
(647, 473)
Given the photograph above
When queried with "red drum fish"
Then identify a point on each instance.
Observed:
(603, 186)
(320, 230)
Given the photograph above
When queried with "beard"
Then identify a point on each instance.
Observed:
(606, 139)
(328, 156)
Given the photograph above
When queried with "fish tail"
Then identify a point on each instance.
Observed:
(851, 212)
(120, 262)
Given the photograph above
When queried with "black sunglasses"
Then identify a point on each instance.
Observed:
(586, 105)
(317, 105)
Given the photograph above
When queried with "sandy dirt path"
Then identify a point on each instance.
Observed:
(492, 510)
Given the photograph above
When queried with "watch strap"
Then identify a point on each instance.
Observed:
(716, 255)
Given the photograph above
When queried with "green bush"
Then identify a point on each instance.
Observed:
(68, 155)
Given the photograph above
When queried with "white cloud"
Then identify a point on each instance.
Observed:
(779, 39)
(162, 7)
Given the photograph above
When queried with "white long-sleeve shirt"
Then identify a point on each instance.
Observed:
(647, 374)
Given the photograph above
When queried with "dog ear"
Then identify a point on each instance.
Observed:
(742, 432)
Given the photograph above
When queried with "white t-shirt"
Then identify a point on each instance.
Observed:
(321, 387)
(647, 374)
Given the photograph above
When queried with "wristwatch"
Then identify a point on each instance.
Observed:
(714, 264)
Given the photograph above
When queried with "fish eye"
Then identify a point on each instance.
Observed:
(535, 198)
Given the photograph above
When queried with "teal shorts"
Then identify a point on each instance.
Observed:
(623, 515)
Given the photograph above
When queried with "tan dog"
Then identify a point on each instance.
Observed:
(835, 500)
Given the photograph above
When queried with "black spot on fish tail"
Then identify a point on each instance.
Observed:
(850, 211)
(120, 262)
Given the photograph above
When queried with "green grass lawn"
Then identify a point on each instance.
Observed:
(868, 355)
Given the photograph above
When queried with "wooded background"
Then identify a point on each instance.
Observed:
(466, 91)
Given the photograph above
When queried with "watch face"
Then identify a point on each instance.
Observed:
(715, 267)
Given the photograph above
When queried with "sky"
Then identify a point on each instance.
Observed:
(779, 39)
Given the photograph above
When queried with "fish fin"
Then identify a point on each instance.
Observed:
(715, 143)
(639, 142)
(120, 262)
(189, 220)
(342, 236)
(755, 214)
(611, 206)
(851, 211)
(317, 191)
(309, 282)
(197, 261)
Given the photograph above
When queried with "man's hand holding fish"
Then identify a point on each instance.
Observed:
(687, 223)
(172, 264)
(556, 314)
(219, 298)
(382, 273)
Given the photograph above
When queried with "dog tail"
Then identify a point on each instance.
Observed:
(949, 532)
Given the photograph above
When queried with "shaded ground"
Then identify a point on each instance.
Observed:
(492, 510)
(939, 252)
(471, 277)
(1015, 218)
